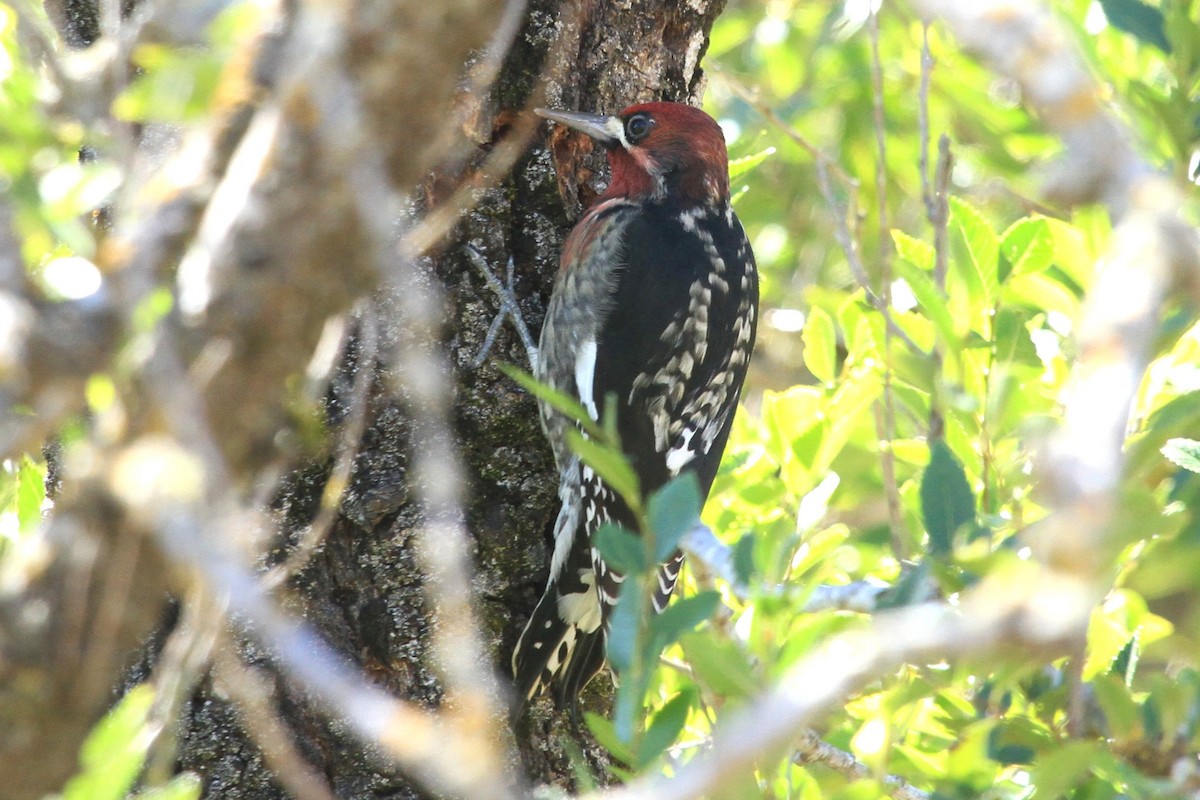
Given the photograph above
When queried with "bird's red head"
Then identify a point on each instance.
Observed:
(658, 150)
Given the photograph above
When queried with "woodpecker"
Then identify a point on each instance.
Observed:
(655, 303)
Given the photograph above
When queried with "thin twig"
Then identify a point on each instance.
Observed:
(180, 667)
(814, 750)
(347, 451)
(939, 216)
(927, 65)
(508, 309)
(472, 688)
(849, 245)
(751, 97)
(940, 220)
(885, 417)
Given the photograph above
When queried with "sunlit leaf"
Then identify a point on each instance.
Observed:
(740, 166)
(720, 665)
(820, 346)
(915, 251)
(114, 751)
(1183, 453)
(933, 302)
(31, 494)
(976, 252)
(1027, 246)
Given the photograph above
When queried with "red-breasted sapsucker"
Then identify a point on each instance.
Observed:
(656, 303)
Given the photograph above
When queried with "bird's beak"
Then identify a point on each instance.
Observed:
(606, 130)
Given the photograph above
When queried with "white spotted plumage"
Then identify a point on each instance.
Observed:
(654, 308)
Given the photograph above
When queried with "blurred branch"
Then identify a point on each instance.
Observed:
(716, 558)
(431, 749)
(262, 300)
(927, 64)
(182, 663)
(858, 269)
(251, 692)
(812, 750)
(346, 450)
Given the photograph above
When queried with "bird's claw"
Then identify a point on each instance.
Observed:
(508, 309)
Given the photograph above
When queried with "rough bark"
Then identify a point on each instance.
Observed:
(297, 259)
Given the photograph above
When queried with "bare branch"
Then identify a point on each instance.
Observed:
(812, 750)
(927, 64)
(849, 245)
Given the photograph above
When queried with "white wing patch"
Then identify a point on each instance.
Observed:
(581, 609)
(585, 374)
(682, 453)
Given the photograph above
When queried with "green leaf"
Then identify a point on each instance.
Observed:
(114, 751)
(1125, 664)
(976, 251)
(820, 345)
(673, 511)
(1027, 247)
(174, 85)
(611, 465)
(743, 558)
(915, 251)
(620, 549)
(606, 735)
(665, 728)
(1012, 340)
(946, 499)
(1120, 709)
(623, 624)
(933, 302)
(1060, 769)
(563, 404)
(740, 166)
(1135, 17)
(683, 616)
(720, 665)
(1183, 453)
(31, 494)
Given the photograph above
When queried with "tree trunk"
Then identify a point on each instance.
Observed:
(364, 588)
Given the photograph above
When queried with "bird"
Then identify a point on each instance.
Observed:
(655, 304)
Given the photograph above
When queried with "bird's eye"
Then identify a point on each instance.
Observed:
(638, 127)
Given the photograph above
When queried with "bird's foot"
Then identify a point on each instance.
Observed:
(508, 309)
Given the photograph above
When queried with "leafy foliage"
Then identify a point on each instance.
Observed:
(896, 447)
(973, 392)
